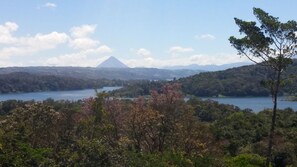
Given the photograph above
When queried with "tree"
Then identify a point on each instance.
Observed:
(272, 44)
(29, 135)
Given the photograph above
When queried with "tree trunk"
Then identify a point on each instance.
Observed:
(275, 90)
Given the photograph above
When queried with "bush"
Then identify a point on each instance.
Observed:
(246, 160)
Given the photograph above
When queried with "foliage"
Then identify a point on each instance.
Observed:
(24, 155)
(240, 129)
(9, 105)
(138, 88)
(246, 160)
(160, 130)
(210, 111)
(26, 82)
(159, 159)
(240, 81)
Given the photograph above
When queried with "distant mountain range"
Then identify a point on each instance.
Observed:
(239, 81)
(234, 82)
(104, 73)
(207, 67)
(113, 62)
(112, 68)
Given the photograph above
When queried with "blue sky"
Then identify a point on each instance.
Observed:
(141, 33)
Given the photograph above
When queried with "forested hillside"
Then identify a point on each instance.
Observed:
(240, 81)
(25, 82)
(104, 73)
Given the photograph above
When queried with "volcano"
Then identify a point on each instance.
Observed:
(112, 62)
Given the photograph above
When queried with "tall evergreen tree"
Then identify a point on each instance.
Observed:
(272, 44)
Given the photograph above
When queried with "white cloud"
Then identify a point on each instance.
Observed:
(82, 31)
(100, 50)
(145, 53)
(7, 52)
(205, 37)
(80, 37)
(44, 41)
(27, 45)
(8, 27)
(12, 47)
(83, 43)
(5, 32)
(179, 49)
(83, 58)
(50, 5)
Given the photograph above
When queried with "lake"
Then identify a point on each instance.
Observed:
(56, 95)
(255, 103)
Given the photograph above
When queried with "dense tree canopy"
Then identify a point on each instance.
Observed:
(26, 82)
(161, 130)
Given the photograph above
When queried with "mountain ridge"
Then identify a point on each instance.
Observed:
(208, 67)
(104, 73)
(237, 82)
(243, 81)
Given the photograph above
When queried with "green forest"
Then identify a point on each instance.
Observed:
(162, 130)
(25, 82)
(236, 82)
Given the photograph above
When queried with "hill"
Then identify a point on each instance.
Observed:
(26, 82)
(239, 81)
(104, 73)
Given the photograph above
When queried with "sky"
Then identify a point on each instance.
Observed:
(140, 33)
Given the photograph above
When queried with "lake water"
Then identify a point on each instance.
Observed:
(56, 95)
(256, 103)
